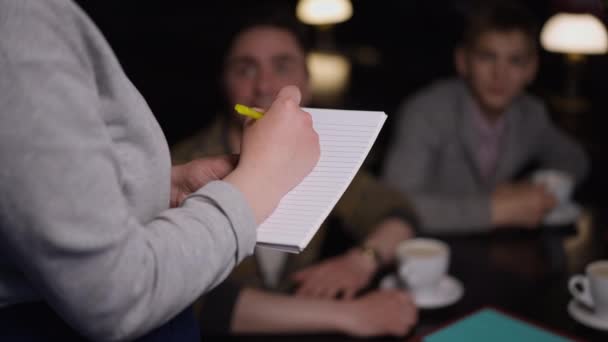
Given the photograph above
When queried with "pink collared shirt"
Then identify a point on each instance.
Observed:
(489, 140)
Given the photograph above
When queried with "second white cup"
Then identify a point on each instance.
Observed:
(591, 289)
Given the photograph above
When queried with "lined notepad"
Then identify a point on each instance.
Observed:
(346, 138)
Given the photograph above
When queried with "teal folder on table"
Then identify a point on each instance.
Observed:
(491, 325)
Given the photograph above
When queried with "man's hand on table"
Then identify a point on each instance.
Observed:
(521, 205)
(382, 312)
(341, 276)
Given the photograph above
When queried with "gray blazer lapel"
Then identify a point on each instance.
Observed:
(510, 150)
(467, 135)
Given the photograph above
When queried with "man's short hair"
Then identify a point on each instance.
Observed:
(273, 14)
(247, 15)
(501, 16)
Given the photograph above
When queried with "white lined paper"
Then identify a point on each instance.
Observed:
(346, 137)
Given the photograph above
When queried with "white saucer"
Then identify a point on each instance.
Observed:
(586, 317)
(566, 213)
(448, 291)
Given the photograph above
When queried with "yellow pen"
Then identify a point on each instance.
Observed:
(244, 110)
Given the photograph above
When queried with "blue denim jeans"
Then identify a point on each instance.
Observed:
(36, 322)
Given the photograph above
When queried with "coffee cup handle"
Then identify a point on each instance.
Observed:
(579, 288)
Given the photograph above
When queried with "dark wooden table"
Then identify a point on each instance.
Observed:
(522, 272)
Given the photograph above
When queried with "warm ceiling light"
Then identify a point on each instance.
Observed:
(329, 72)
(574, 34)
(324, 12)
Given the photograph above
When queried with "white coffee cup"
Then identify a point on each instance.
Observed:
(592, 289)
(559, 183)
(422, 263)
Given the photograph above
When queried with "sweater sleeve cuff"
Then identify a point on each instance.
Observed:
(242, 221)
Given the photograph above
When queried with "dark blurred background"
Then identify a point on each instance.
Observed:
(171, 51)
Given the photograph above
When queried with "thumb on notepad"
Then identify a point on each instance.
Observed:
(277, 151)
(290, 92)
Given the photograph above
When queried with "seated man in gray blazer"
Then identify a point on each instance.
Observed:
(461, 142)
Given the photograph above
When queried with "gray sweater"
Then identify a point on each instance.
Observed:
(85, 223)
